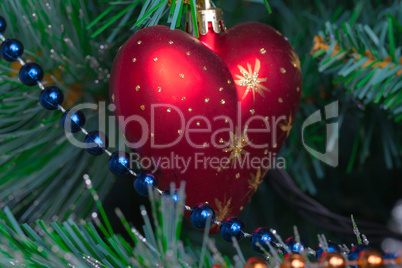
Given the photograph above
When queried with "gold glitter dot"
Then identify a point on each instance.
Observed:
(221, 89)
(170, 42)
(204, 68)
(266, 151)
(295, 65)
(241, 208)
(222, 101)
(205, 144)
(266, 118)
(221, 140)
(188, 53)
(142, 107)
(137, 88)
(207, 100)
(263, 51)
(189, 109)
(298, 89)
(181, 75)
(183, 98)
(237, 175)
(152, 135)
(283, 70)
(113, 97)
(219, 169)
(159, 89)
(198, 124)
(179, 131)
(280, 100)
(252, 111)
(226, 120)
(229, 82)
(139, 42)
(155, 59)
(134, 59)
(169, 110)
(275, 145)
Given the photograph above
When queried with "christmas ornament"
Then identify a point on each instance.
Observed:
(370, 258)
(293, 261)
(255, 262)
(331, 260)
(214, 120)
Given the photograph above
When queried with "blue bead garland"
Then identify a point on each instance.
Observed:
(3, 25)
(200, 213)
(11, 49)
(51, 97)
(294, 246)
(31, 73)
(143, 180)
(332, 247)
(354, 253)
(232, 227)
(73, 122)
(173, 195)
(119, 163)
(96, 142)
(262, 236)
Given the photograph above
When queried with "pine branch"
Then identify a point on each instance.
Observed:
(40, 169)
(366, 62)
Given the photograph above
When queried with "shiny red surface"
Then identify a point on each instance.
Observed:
(172, 67)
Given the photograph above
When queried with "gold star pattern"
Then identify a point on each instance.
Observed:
(288, 126)
(250, 80)
(254, 182)
(224, 208)
(235, 146)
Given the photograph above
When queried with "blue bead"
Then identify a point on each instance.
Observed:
(332, 247)
(96, 142)
(31, 73)
(174, 195)
(11, 49)
(142, 182)
(119, 163)
(390, 256)
(51, 97)
(354, 253)
(74, 122)
(294, 246)
(3, 25)
(262, 235)
(232, 227)
(200, 214)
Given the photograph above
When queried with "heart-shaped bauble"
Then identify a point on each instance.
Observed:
(214, 120)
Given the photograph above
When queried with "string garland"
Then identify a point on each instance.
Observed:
(263, 240)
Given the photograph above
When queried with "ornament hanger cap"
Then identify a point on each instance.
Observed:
(205, 15)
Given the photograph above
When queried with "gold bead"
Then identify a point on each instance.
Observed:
(255, 262)
(294, 261)
(370, 258)
(332, 260)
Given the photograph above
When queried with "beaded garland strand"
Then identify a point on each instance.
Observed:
(96, 143)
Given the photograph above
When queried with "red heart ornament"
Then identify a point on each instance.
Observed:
(214, 120)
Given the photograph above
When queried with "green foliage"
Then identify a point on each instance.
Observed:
(40, 170)
(365, 58)
(72, 244)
